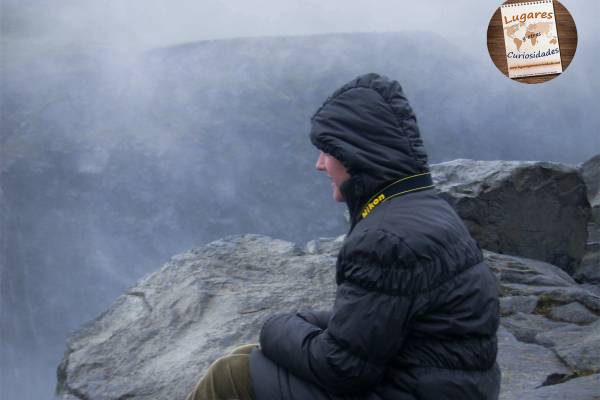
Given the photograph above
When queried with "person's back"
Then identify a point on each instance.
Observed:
(450, 347)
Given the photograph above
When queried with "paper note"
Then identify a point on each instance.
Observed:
(531, 38)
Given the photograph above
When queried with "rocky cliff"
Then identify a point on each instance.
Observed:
(159, 337)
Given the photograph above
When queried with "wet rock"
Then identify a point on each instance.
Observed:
(531, 209)
(330, 246)
(583, 388)
(520, 276)
(517, 304)
(590, 170)
(158, 338)
(524, 366)
(589, 270)
(574, 313)
(578, 346)
(591, 288)
(525, 327)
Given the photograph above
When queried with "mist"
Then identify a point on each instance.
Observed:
(133, 131)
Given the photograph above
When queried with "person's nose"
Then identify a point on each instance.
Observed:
(320, 165)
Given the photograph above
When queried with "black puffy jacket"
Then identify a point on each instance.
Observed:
(416, 307)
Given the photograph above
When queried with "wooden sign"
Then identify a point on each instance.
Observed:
(532, 41)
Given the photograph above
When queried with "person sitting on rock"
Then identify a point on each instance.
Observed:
(416, 306)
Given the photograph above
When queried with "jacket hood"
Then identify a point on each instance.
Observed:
(369, 126)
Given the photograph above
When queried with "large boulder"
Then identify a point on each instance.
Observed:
(531, 209)
(159, 337)
(589, 270)
(590, 170)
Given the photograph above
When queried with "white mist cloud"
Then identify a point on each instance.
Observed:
(150, 23)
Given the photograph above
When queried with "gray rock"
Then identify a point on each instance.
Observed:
(520, 276)
(526, 271)
(329, 246)
(532, 209)
(525, 327)
(578, 346)
(584, 388)
(524, 366)
(589, 270)
(574, 313)
(66, 397)
(158, 338)
(515, 304)
(590, 170)
(594, 235)
(594, 288)
(549, 295)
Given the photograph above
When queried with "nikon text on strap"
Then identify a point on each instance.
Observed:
(402, 186)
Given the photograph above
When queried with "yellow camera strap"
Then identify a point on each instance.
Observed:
(402, 186)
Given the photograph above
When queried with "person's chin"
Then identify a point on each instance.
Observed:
(337, 196)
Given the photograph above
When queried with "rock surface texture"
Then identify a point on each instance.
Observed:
(532, 209)
(589, 270)
(159, 337)
(591, 175)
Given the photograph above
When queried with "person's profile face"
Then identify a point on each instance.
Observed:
(336, 172)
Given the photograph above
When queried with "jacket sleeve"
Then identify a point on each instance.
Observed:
(319, 318)
(369, 321)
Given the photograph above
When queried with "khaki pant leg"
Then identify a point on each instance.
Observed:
(228, 378)
(244, 349)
